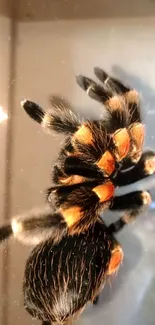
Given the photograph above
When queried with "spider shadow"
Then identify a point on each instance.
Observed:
(59, 101)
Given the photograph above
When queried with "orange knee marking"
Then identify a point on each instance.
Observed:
(75, 179)
(71, 215)
(115, 103)
(107, 163)
(65, 180)
(84, 135)
(132, 96)
(122, 142)
(115, 261)
(137, 132)
(105, 191)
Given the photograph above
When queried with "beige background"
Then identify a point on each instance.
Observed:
(43, 45)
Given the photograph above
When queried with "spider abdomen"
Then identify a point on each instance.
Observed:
(61, 279)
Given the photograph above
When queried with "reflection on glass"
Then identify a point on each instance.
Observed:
(3, 115)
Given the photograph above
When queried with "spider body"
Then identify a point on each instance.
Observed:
(89, 165)
(74, 250)
(59, 282)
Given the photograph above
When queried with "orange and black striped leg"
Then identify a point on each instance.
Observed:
(93, 90)
(131, 201)
(58, 174)
(90, 142)
(133, 204)
(59, 119)
(80, 204)
(35, 226)
(115, 104)
(94, 145)
(110, 82)
(77, 166)
(144, 168)
(33, 110)
(131, 96)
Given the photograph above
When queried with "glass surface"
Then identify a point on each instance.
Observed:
(43, 46)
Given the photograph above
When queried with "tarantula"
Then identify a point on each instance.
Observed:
(74, 250)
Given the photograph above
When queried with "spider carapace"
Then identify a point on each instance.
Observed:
(74, 250)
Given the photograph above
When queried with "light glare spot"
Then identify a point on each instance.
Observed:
(3, 115)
